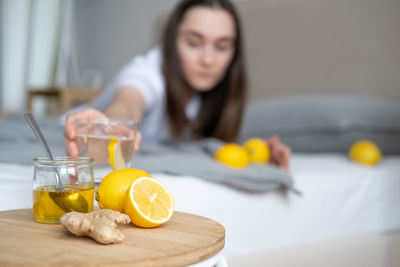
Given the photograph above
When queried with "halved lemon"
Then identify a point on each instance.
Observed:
(115, 156)
(149, 203)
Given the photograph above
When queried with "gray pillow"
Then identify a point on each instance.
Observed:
(325, 123)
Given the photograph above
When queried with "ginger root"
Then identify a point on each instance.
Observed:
(101, 225)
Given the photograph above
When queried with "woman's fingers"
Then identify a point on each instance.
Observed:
(72, 148)
(280, 153)
(70, 128)
(283, 156)
(273, 141)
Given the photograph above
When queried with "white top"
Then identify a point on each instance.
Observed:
(144, 73)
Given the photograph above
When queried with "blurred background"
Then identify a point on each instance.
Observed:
(56, 54)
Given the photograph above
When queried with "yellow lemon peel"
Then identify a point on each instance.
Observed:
(113, 187)
(365, 152)
(258, 150)
(233, 156)
(115, 156)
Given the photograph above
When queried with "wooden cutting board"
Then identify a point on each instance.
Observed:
(185, 239)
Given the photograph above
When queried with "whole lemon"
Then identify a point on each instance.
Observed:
(114, 187)
(365, 152)
(258, 150)
(233, 156)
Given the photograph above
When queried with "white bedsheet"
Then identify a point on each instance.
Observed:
(339, 199)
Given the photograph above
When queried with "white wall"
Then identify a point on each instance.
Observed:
(14, 29)
(323, 46)
(1, 54)
(42, 43)
(109, 33)
(28, 51)
(293, 46)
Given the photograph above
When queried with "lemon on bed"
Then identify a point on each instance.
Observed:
(258, 150)
(233, 156)
(365, 152)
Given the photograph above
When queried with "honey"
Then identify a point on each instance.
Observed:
(49, 204)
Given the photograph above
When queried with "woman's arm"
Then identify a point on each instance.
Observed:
(128, 104)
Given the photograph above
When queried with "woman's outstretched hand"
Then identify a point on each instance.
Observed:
(70, 129)
(280, 153)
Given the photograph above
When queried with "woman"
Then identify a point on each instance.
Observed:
(195, 87)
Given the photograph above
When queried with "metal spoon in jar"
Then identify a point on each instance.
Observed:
(60, 196)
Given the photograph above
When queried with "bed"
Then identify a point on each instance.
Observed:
(339, 198)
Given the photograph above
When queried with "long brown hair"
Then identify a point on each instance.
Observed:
(222, 107)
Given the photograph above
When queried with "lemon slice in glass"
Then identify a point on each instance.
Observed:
(115, 156)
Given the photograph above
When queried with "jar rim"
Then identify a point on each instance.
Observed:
(62, 160)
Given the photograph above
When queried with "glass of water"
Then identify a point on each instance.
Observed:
(109, 142)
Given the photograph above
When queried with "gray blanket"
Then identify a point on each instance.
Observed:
(19, 145)
(196, 158)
